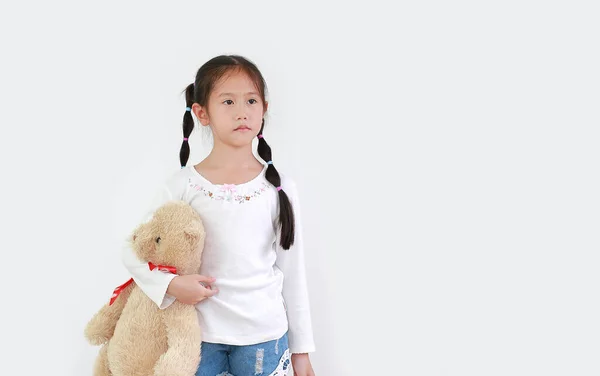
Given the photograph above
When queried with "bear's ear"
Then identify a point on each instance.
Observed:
(194, 232)
(143, 242)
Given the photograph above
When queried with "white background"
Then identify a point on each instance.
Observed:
(446, 155)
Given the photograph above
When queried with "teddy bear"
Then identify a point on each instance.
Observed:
(136, 337)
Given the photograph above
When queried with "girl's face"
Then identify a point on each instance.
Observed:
(235, 110)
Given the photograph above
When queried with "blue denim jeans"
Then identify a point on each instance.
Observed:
(271, 358)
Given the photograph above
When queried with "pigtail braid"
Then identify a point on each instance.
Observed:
(286, 212)
(188, 126)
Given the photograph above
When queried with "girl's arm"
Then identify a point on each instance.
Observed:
(153, 283)
(295, 291)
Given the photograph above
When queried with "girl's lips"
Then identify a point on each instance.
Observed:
(242, 129)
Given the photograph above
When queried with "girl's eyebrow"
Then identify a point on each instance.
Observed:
(250, 92)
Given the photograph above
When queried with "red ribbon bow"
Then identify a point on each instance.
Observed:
(162, 268)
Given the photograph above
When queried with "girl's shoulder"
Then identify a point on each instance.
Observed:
(177, 181)
(288, 183)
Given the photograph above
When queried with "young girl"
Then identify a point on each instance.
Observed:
(250, 293)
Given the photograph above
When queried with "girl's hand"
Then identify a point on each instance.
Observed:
(190, 289)
(301, 365)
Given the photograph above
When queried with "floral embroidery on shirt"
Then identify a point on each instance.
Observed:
(228, 192)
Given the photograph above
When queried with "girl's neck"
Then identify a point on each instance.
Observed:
(231, 158)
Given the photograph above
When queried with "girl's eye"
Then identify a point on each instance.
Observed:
(229, 100)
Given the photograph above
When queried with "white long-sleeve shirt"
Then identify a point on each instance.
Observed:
(262, 288)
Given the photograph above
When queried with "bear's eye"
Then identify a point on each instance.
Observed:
(158, 239)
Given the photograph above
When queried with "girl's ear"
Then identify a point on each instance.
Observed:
(201, 114)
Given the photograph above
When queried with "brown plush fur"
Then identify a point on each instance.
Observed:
(137, 337)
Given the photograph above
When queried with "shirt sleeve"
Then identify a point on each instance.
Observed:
(153, 283)
(295, 290)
